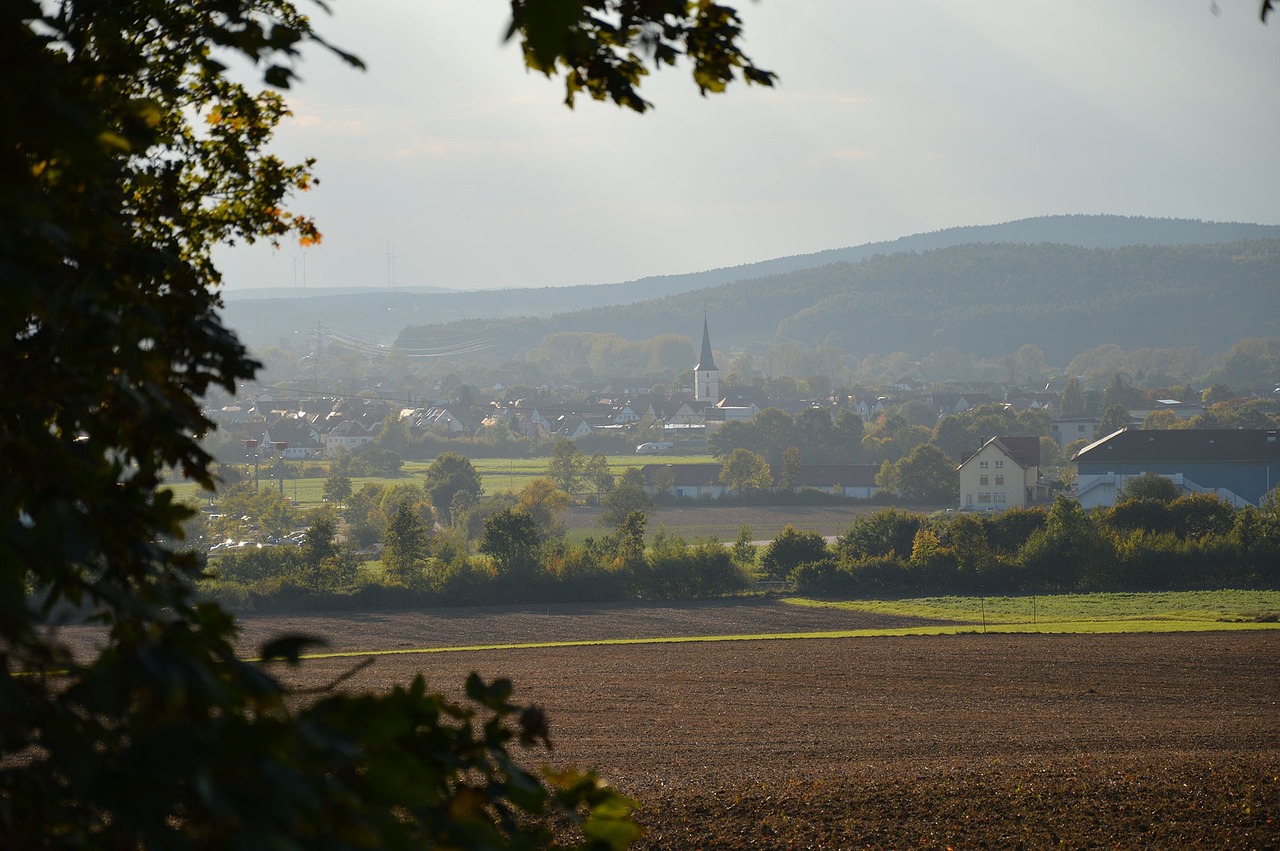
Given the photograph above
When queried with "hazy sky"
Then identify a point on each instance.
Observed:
(891, 118)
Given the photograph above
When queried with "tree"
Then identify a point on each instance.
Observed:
(1070, 552)
(329, 567)
(544, 502)
(746, 472)
(514, 542)
(744, 551)
(887, 532)
(789, 470)
(1121, 392)
(567, 463)
(790, 550)
(337, 488)
(924, 475)
(129, 154)
(627, 497)
(447, 476)
(1162, 419)
(1114, 418)
(598, 474)
(1073, 401)
(598, 45)
(1149, 486)
(374, 461)
(404, 545)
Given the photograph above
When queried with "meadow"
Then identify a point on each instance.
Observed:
(497, 475)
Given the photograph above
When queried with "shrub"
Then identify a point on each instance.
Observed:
(790, 550)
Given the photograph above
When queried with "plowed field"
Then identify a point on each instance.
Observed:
(969, 741)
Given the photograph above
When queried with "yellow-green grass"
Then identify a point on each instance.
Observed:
(1086, 614)
(497, 475)
(1144, 611)
(1064, 627)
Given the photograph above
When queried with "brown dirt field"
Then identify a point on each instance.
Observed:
(971, 741)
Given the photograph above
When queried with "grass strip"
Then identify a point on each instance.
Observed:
(1064, 627)
(1222, 606)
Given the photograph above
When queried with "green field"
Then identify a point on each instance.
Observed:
(1172, 611)
(497, 475)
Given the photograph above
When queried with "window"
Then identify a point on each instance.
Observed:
(1080, 428)
(984, 497)
(982, 465)
(982, 480)
(1001, 498)
(999, 480)
(1000, 464)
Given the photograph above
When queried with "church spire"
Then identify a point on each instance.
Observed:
(706, 376)
(706, 362)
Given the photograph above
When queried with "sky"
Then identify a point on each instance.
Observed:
(447, 164)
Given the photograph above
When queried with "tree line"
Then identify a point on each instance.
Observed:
(510, 549)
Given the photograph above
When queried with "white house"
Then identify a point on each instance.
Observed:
(348, 435)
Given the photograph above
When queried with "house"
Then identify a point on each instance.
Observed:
(687, 481)
(1068, 429)
(300, 438)
(702, 481)
(958, 403)
(857, 481)
(437, 418)
(349, 435)
(1001, 474)
(1241, 466)
(570, 427)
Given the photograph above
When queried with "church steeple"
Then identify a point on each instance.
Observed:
(706, 361)
(706, 376)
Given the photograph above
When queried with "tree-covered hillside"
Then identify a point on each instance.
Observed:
(981, 298)
(378, 315)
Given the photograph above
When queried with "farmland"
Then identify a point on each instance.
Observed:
(970, 740)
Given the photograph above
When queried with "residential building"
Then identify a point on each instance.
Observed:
(1241, 466)
(349, 435)
(1001, 474)
(702, 481)
(1068, 429)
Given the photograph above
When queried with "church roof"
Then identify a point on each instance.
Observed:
(706, 362)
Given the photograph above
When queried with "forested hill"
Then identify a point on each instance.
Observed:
(983, 298)
(377, 315)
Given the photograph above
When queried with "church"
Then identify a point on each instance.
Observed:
(706, 376)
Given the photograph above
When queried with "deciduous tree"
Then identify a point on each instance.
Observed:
(746, 472)
(791, 549)
(925, 475)
(628, 496)
(448, 475)
(567, 464)
(129, 153)
(514, 542)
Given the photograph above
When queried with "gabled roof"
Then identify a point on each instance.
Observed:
(687, 475)
(1183, 444)
(1024, 451)
(350, 428)
(845, 475)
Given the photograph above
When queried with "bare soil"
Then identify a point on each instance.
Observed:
(969, 741)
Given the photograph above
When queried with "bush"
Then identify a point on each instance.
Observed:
(790, 550)
(888, 532)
